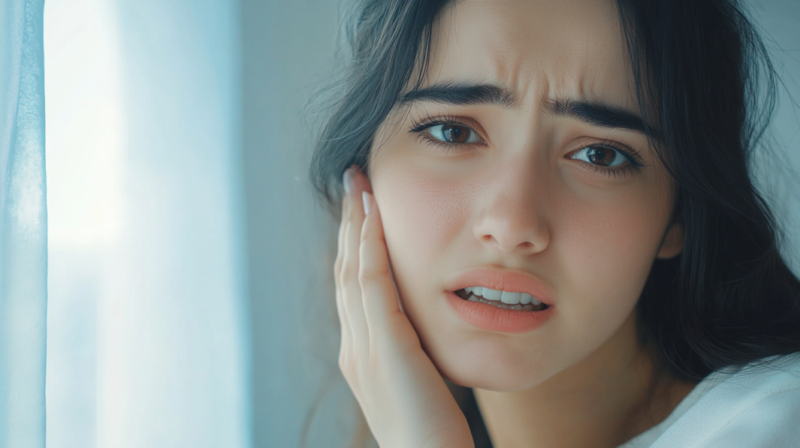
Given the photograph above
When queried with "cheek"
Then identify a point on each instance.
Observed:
(608, 237)
(608, 249)
(421, 215)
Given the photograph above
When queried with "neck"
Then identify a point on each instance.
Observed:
(603, 401)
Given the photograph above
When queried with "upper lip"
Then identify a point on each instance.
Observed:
(502, 280)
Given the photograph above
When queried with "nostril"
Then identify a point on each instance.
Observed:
(512, 230)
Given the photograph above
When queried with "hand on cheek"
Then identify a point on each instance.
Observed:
(403, 397)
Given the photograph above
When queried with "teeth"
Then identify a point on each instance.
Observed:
(515, 307)
(491, 294)
(510, 298)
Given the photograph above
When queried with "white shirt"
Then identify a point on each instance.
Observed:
(731, 408)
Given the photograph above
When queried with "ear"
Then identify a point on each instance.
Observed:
(673, 242)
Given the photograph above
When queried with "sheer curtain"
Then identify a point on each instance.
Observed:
(23, 226)
(148, 341)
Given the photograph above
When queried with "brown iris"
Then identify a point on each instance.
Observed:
(455, 133)
(601, 156)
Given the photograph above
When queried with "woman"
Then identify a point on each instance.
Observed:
(558, 214)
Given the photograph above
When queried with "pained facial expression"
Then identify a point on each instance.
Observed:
(522, 183)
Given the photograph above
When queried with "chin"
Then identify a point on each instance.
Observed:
(490, 368)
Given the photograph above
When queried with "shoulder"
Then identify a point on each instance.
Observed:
(755, 406)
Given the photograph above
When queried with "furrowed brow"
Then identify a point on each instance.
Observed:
(461, 94)
(604, 115)
(591, 112)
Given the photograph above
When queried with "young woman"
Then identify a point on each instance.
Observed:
(551, 205)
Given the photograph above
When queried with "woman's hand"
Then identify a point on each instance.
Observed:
(403, 397)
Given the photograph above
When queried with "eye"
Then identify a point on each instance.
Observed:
(601, 156)
(453, 133)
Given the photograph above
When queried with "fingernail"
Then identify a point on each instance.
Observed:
(367, 202)
(347, 180)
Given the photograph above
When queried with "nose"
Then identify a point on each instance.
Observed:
(513, 219)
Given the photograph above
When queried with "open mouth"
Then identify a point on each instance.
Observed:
(504, 300)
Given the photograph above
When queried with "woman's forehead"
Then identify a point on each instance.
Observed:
(538, 49)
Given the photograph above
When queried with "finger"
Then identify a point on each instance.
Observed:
(344, 322)
(348, 277)
(374, 276)
(337, 265)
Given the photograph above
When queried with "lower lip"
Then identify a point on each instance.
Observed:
(492, 318)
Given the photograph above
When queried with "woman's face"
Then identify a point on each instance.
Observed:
(522, 153)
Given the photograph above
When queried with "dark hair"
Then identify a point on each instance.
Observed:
(704, 80)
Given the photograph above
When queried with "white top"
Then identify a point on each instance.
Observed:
(749, 407)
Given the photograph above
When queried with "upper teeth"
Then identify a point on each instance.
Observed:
(511, 298)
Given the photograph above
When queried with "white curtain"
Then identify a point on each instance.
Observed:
(23, 226)
(148, 336)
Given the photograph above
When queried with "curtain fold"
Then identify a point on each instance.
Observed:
(23, 226)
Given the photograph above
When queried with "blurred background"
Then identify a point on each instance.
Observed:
(190, 300)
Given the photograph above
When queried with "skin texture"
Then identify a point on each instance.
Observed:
(521, 197)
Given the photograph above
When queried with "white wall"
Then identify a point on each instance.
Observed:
(288, 50)
(780, 176)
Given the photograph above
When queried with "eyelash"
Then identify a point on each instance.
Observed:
(634, 160)
(419, 128)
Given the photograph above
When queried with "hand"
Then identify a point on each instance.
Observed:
(403, 397)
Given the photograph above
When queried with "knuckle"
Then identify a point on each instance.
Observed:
(370, 233)
(370, 274)
(367, 234)
(346, 272)
(365, 277)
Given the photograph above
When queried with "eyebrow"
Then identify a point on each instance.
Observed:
(461, 94)
(596, 113)
(604, 115)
